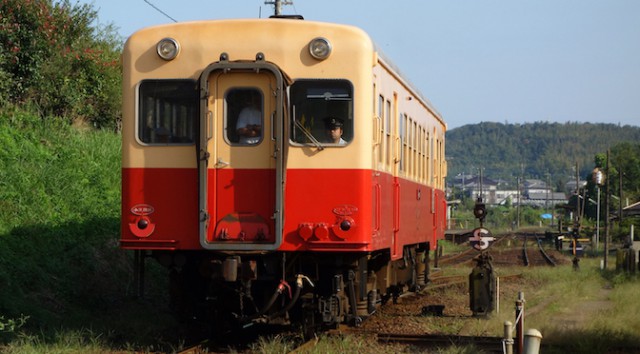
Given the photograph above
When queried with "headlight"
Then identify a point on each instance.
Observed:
(168, 48)
(320, 48)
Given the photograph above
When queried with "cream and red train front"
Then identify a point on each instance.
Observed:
(227, 145)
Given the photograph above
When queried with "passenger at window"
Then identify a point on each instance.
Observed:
(334, 130)
(249, 125)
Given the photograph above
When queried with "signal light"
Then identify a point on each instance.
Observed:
(479, 211)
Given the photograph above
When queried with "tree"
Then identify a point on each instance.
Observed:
(57, 63)
(534, 149)
(625, 160)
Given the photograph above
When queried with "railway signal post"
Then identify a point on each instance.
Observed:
(482, 280)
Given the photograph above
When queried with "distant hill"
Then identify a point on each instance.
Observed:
(532, 150)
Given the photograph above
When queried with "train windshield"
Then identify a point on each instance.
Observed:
(322, 112)
(167, 111)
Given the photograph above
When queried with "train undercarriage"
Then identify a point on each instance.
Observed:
(316, 290)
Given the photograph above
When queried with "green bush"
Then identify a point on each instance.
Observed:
(57, 63)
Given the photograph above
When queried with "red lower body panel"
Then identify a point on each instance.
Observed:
(168, 199)
(324, 210)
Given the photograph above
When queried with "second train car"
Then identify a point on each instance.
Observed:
(281, 169)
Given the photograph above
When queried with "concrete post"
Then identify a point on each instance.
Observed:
(532, 340)
(508, 338)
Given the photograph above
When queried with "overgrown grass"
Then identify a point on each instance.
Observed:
(59, 205)
(449, 247)
(61, 269)
(584, 311)
(325, 344)
(52, 173)
(83, 341)
(60, 266)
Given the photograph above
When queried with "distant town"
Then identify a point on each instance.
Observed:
(529, 192)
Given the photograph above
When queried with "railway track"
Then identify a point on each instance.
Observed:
(484, 344)
(305, 347)
(437, 281)
(467, 255)
(539, 258)
(200, 348)
(527, 256)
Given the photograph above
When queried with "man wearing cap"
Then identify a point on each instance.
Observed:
(334, 130)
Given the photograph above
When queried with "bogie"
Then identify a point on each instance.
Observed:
(314, 290)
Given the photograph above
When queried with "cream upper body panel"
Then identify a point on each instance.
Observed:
(411, 132)
(283, 42)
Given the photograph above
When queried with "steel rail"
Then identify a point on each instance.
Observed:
(486, 344)
(525, 256)
(546, 256)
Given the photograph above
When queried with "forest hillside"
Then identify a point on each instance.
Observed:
(539, 150)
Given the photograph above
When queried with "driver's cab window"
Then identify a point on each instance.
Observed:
(167, 112)
(244, 107)
(322, 112)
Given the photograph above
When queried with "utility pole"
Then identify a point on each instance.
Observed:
(620, 200)
(598, 218)
(277, 4)
(606, 214)
(576, 217)
(520, 191)
(518, 206)
(546, 201)
(599, 181)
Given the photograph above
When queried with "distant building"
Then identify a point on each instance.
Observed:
(570, 187)
(505, 196)
(545, 199)
(534, 192)
(474, 187)
(631, 210)
(535, 186)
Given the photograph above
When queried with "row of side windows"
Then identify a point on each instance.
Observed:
(420, 151)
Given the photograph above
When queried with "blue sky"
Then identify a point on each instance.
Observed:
(508, 61)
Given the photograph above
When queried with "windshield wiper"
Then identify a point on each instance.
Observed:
(308, 134)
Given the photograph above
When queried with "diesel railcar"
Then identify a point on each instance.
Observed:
(231, 177)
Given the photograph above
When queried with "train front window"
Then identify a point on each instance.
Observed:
(243, 122)
(322, 112)
(167, 112)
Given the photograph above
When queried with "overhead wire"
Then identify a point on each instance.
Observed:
(160, 11)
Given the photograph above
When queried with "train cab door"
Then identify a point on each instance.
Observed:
(240, 156)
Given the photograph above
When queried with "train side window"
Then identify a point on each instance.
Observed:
(402, 121)
(167, 112)
(321, 111)
(243, 117)
(382, 128)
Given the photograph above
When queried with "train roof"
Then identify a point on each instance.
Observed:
(383, 59)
